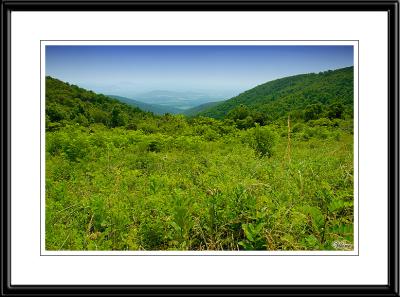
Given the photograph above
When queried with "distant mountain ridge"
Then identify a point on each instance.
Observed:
(307, 96)
(154, 108)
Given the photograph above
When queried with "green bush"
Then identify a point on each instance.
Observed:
(263, 140)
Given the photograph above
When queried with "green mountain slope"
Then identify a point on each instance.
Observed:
(197, 109)
(293, 94)
(155, 108)
(69, 104)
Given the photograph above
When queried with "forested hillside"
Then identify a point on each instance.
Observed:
(195, 111)
(306, 96)
(69, 104)
(118, 178)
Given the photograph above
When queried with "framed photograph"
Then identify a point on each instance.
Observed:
(200, 148)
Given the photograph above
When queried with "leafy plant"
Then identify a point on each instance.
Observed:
(254, 237)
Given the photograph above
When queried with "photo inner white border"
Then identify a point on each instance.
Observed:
(282, 269)
(199, 253)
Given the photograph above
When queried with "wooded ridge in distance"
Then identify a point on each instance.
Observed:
(269, 169)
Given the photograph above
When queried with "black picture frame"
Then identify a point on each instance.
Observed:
(392, 7)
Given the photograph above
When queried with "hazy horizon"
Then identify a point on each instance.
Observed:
(217, 72)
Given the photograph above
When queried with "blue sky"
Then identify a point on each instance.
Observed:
(215, 70)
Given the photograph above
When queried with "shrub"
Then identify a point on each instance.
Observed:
(298, 127)
(263, 140)
(154, 146)
(321, 122)
(151, 234)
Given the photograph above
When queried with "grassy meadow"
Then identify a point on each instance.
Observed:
(121, 179)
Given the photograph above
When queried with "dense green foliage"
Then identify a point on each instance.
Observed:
(330, 93)
(68, 104)
(118, 178)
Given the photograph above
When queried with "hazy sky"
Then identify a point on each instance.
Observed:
(226, 70)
